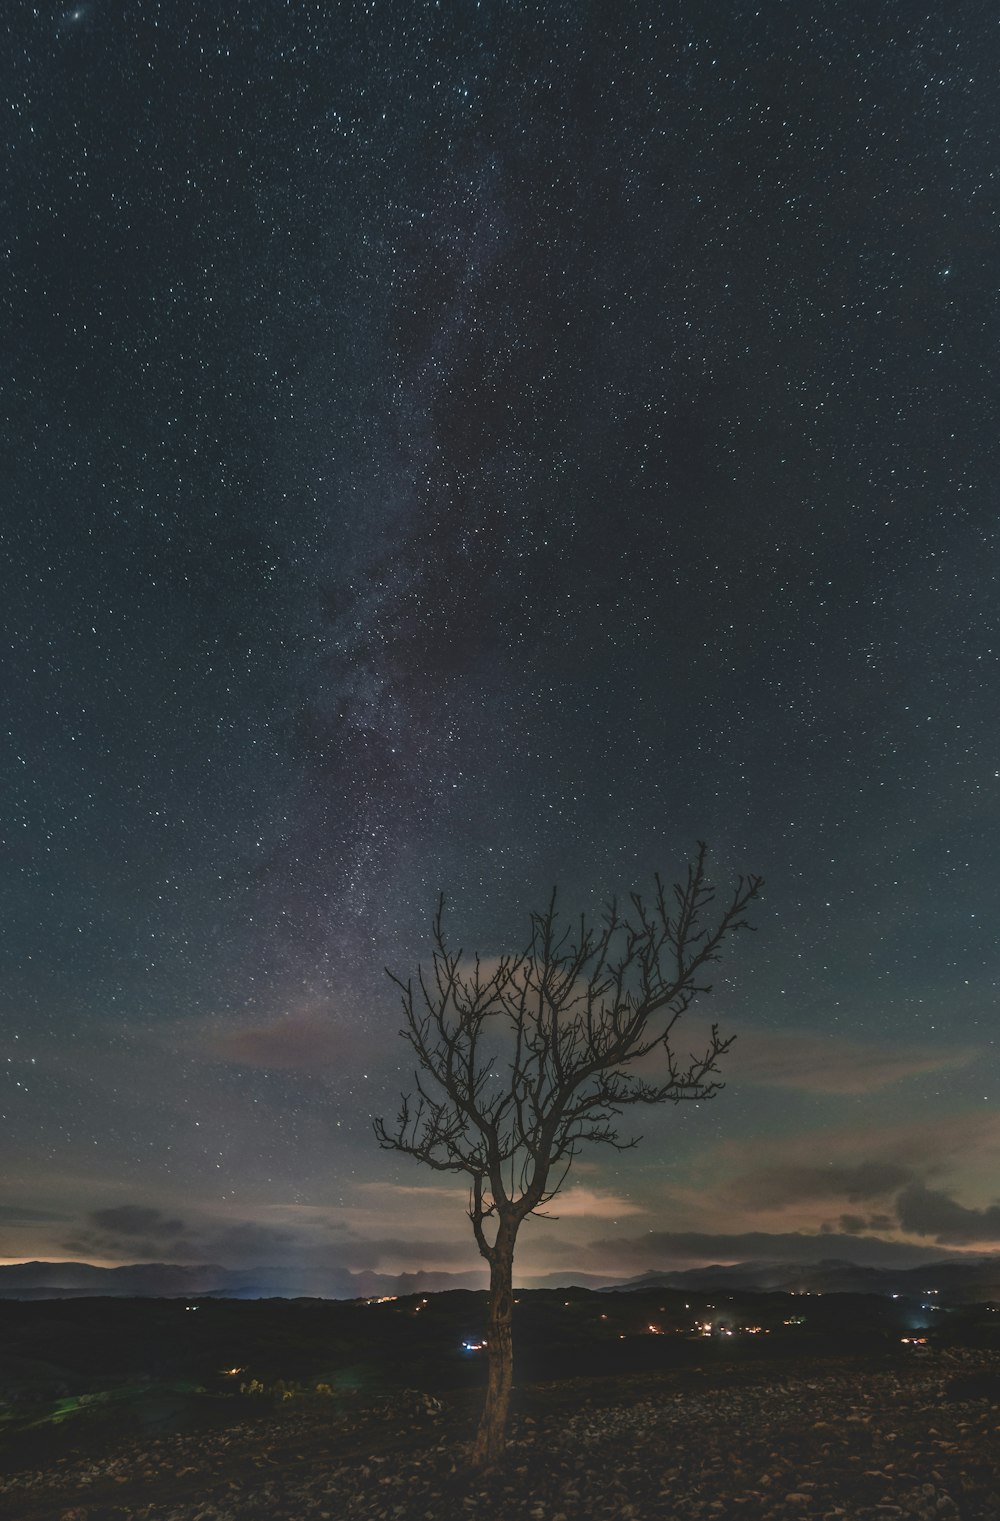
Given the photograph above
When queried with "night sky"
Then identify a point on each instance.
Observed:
(471, 447)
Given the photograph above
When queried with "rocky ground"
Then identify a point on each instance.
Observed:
(862, 1444)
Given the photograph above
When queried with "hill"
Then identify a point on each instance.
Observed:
(966, 1280)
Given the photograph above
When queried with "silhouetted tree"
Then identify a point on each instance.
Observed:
(523, 1060)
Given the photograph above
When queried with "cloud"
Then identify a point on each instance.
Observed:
(301, 1043)
(575, 1200)
(827, 1064)
(580, 1202)
(396, 1251)
(857, 1182)
(20, 1214)
(670, 1249)
(415, 1191)
(135, 1220)
(88, 1245)
(848, 1161)
(932, 1212)
(101, 1240)
(138, 1232)
(248, 1241)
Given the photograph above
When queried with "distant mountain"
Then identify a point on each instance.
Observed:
(969, 1280)
(966, 1280)
(368, 1285)
(163, 1280)
(568, 1280)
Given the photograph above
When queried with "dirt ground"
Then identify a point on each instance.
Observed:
(838, 1441)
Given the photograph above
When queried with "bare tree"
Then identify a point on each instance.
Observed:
(523, 1060)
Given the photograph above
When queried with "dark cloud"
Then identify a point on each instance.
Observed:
(858, 1225)
(668, 1249)
(82, 1245)
(88, 1245)
(247, 1242)
(361, 1254)
(250, 1244)
(19, 1214)
(932, 1212)
(856, 1182)
(135, 1220)
(138, 1232)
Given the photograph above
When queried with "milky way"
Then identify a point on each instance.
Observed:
(467, 449)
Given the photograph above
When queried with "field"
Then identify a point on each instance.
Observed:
(661, 1425)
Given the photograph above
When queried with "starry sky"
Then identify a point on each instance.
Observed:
(473, 446)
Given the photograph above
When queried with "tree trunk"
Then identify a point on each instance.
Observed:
(492, 1434)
